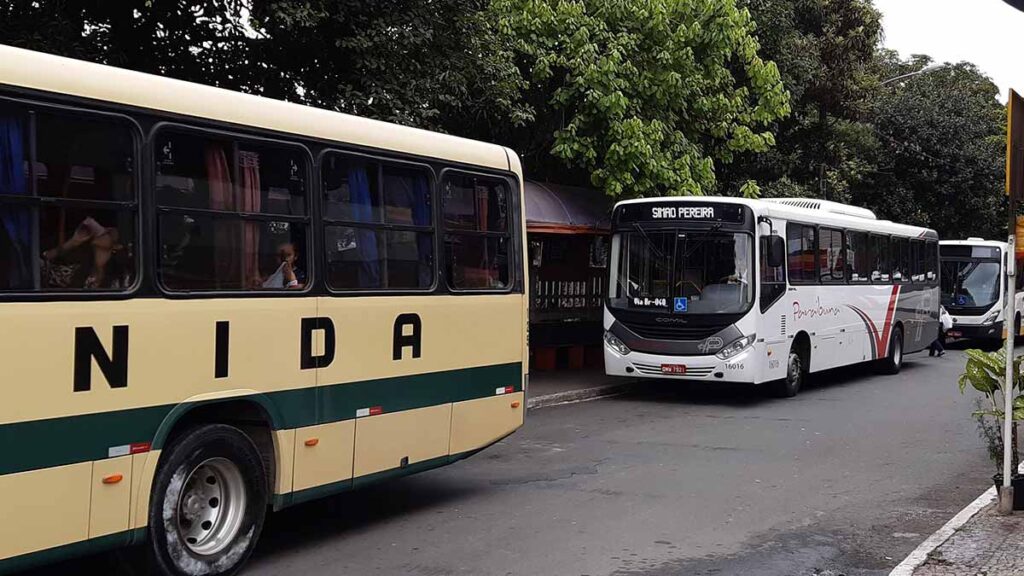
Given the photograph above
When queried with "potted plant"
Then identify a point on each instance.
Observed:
(986, 373)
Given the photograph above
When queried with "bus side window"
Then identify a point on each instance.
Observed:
(900, 259)
(803, 249)
(881, 253)
(83, 236)
(478, 240)
(773, 278)
(858, 257)
(379, 229)
(233, 214)
(830, 256)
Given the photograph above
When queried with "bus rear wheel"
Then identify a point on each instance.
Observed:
(208, 504)
(893, 361)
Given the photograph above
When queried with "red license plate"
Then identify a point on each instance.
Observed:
(673, 368)
(954, 333)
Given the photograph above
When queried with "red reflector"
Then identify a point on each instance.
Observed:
(375, 410)
(509, 389)
(139, 448)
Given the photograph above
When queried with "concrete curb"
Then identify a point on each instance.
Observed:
(921, 553)
(581, 395)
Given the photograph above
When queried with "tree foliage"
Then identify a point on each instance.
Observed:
(941, 155)
(646, 98)
(202, 40)
(825, 53)
(438, 64)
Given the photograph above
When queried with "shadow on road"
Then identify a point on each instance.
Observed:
(742, 395)
(304, 526)
(309, 525)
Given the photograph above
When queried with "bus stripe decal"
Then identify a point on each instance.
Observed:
(89, 437)
(879, 342)
(883, 343)
(870, 329)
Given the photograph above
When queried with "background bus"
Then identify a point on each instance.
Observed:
(764, 291)
(974, 289)
(214, 304)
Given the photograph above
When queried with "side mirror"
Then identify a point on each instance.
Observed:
(776, 251)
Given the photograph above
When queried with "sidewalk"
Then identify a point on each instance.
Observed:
(975, 542)
(561, 386)
(989, 545)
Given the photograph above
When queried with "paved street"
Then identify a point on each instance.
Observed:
(847, 478)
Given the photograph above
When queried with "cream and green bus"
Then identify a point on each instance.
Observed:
(215, 305)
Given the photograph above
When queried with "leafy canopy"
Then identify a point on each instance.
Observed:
(645, 97)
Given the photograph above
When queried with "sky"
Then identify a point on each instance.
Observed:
(985, 32)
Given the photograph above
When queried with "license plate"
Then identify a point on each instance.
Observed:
(954, 333)
(673, 368)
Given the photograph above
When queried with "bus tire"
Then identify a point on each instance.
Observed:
(1016, 326)
(794, 380)
(208, 504)
(893, 360)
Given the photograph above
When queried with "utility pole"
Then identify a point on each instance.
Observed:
(1014, 188)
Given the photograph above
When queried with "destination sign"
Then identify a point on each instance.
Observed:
(681, 211)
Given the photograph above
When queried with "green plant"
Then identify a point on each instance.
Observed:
(986, 373)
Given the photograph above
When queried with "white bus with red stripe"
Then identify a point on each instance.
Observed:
(764, 291)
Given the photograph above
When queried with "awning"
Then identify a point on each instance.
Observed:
(557, 209)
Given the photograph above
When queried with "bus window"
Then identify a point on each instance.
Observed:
(211, 191)
(858, 257)
(477, 239)
(901, 259)
(830, 256)
(773, 278)
(379, 225)
(801, 263)
(919, 252)
(882, 256)
(83, 237)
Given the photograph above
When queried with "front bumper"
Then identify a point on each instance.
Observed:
(976, 331)
(738, 369)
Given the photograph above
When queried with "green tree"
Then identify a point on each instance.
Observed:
(825, 53)
(437, 64)
(640, 98)
(941, 158)
(200, 40)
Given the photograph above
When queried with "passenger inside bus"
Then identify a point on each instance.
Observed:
(92, 258)
(288, 273)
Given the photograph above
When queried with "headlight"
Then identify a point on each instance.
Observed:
(615, 344)
(736, 347)
(991, 317)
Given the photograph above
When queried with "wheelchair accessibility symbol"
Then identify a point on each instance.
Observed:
(680, 304)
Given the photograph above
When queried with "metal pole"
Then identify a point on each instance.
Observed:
(1006, 493)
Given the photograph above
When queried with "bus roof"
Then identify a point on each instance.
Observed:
(808, 210)
(974, 242)
(54, 74)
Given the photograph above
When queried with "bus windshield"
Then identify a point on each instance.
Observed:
(969, 283)
(710, 269)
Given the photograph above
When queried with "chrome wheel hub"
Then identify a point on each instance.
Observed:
(211, 506)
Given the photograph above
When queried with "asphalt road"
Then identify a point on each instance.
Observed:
(846, 478)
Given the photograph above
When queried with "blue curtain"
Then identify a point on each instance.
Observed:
(421, 217)
(16, 219)
(366, 240)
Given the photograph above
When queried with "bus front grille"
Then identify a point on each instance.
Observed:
(659, 332)
(655, 370)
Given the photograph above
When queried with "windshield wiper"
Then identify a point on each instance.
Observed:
(650, 243)
(702, 238)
